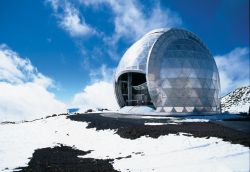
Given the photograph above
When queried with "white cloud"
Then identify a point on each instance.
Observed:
(131, 22)
(102, 74)
(70, 18)
(23, 90)
(233, 69)
(98, 94)
(12, 68)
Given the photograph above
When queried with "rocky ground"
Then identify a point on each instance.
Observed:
(65, 158)
(132, 129)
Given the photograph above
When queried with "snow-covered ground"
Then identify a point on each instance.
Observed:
(167, 153)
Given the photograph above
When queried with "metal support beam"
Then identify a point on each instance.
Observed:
(129, 89)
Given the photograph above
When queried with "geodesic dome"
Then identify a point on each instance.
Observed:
(172, 70)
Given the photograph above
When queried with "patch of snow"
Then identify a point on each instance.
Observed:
(192, 120)
(158, 123)
(236, 101)
(166, 153)
(155, 117)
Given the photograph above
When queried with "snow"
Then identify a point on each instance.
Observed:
(171, 152)
(158, 123)
(155, 117)
(236, 101)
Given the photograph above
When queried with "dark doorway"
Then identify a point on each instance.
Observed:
(134, 90)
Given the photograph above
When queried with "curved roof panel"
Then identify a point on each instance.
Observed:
(135, 58)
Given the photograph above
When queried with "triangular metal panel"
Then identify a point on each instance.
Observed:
(166, 84)
(184, 110)
(189, 109)
(179, 109)
(168, 109)
(173, 110)
(159, 109)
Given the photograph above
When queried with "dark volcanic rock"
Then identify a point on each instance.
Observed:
(64, 158)
(135, 128)
(101, 123)
(196, 129)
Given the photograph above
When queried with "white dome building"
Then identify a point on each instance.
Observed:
(171, 70)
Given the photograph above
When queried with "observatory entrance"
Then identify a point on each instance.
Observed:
(133, 89)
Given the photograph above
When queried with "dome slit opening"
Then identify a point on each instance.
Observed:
(133, 90)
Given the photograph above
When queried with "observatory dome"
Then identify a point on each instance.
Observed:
(135, 58)
(171, 70)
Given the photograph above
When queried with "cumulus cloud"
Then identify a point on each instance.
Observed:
(23, 90)
(70, 18)
(98, 94)
(132, 22)
(102, 74)
(233, 69)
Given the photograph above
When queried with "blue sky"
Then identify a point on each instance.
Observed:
(76, 43)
